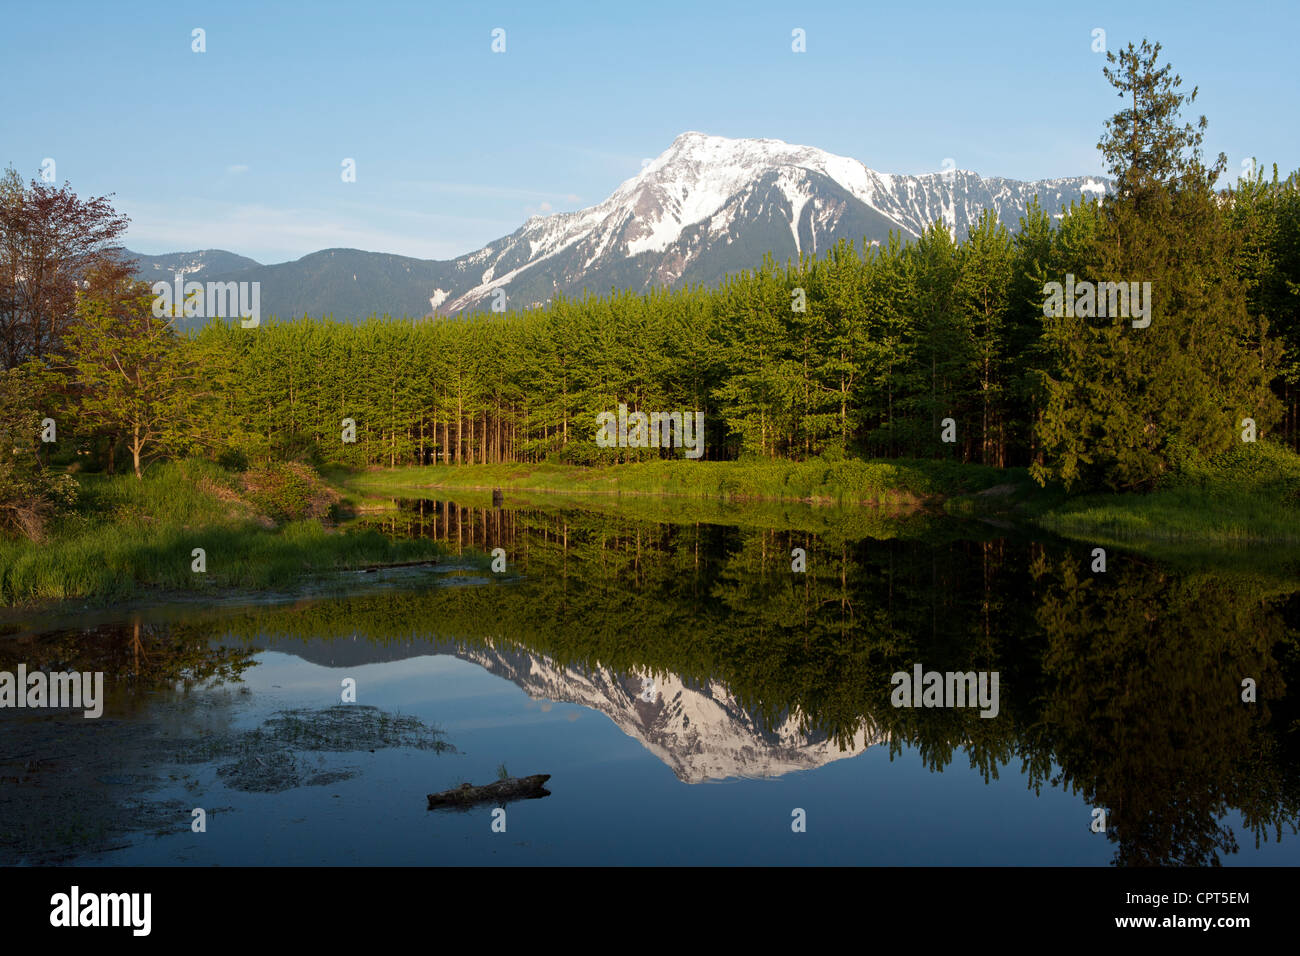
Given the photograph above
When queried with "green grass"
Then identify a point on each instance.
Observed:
(1249, 496)
(127, 536)
(1246, 497)
(900, 483)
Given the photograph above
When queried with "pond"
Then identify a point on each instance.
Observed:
(694, 697)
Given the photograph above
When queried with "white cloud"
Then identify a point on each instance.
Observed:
(541, 209)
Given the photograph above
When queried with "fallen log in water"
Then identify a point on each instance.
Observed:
(510, 788)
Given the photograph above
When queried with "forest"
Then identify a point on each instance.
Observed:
(928, 348)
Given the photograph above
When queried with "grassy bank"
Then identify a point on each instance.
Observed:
(828, 521)
(902, 483)
(127, 535)
(1246, 497)
(1249, 496)
(272, 528)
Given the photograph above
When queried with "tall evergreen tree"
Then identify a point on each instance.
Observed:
(985, 290)
(1130, 402)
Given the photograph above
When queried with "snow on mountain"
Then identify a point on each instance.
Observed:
(192, 265)
(707, 207)
(674, 220)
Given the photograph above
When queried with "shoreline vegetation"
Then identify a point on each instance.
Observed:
(268, 528)
(893, 483)
(1246, 496)
(280, 526)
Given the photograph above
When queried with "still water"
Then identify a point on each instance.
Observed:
(693, 699)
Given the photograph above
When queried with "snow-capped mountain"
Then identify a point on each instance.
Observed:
(710, 205)
(706, 207)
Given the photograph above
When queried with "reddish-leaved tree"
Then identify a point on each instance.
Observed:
(51, 244)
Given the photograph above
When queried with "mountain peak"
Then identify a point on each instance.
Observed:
(706, 207)
(690, 136)
(705, 147)
(711, 205)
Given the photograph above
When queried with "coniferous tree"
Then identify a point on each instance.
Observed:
(1130, 402)
(1265, 215)
(985, 290)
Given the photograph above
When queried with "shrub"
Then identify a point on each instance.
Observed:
(1246, 466)
(30, 494)
(587, 454)
(288, 492)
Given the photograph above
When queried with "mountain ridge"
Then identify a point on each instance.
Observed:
(706, 207)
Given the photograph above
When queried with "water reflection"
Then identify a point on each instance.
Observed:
(697, 640)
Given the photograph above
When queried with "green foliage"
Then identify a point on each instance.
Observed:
(1247, 468)
(886, 343)
(1265, 214)
(131, 376)
(31, 495)
(1124, 404)
(893, 340)
(1247, 495)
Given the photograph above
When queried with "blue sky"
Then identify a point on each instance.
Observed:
(241, 147)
